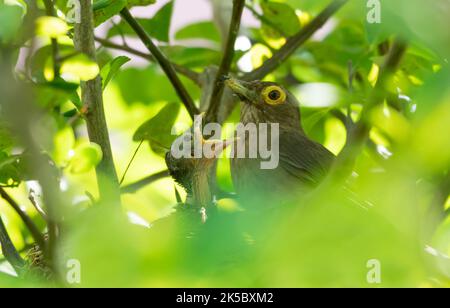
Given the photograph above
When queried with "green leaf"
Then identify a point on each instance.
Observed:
(282, 16)
(10, 22)
(9, 171)
(132, 3)
(203, 30)
(64, 142)
(110, 70)
(157, 27)
(40, 63)
(6, 140)
(139, 85)
(80, 67)
(54, 93)
(105, 9)
(158, 130)
(52, 27)
(194, 57)
(86, 157)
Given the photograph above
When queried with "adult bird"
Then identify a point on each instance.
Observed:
(303, 163)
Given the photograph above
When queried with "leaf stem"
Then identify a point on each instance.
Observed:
(131, 161)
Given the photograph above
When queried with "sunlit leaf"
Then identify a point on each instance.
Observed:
(105, 9)
(259, 54)
(228, 205)
(202, 30)
(80, 67)
(85, 158)
(157, 27)
(64, 142)
(140, 2)
(49, 26)
(391, 122)
(282, 16)
(158, 130)
(110, 70)
(192, 57)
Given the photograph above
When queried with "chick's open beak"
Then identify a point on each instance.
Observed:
(240, 88)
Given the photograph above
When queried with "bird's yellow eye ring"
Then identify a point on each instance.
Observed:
(274, 95)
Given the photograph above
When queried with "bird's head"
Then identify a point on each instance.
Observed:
(187, 170)
(266, 102)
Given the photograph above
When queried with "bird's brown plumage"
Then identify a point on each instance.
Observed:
(303, 163)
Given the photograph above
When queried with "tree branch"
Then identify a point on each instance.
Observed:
(37, 236)
(345, 161)
(9, 251)
(190, 74)
(133, 187)
(163, 62)
(295, 42)
(92, 98)
(227, 60)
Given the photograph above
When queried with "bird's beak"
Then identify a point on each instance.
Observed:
(240, 88)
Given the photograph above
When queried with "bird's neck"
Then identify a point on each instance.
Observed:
(200, 191)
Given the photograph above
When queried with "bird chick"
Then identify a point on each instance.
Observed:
(193, 173)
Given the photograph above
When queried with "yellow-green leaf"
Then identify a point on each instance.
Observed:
(49, 26)
(85, 158)
(80, 67)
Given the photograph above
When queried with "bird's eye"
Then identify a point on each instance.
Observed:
(274, 95)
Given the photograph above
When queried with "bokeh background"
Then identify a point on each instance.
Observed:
(399, 192)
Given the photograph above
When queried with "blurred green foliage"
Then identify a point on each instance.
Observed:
(394, 209)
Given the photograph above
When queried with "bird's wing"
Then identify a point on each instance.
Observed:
(303, 158)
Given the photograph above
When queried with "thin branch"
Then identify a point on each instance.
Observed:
(133, 187)
(9, 250)
(37, 236)
(163, 62)
(50, 11)
(295, 42)
(32, 198)
(227, 60)
(92, 97)
(190, 74)
(345, 161)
